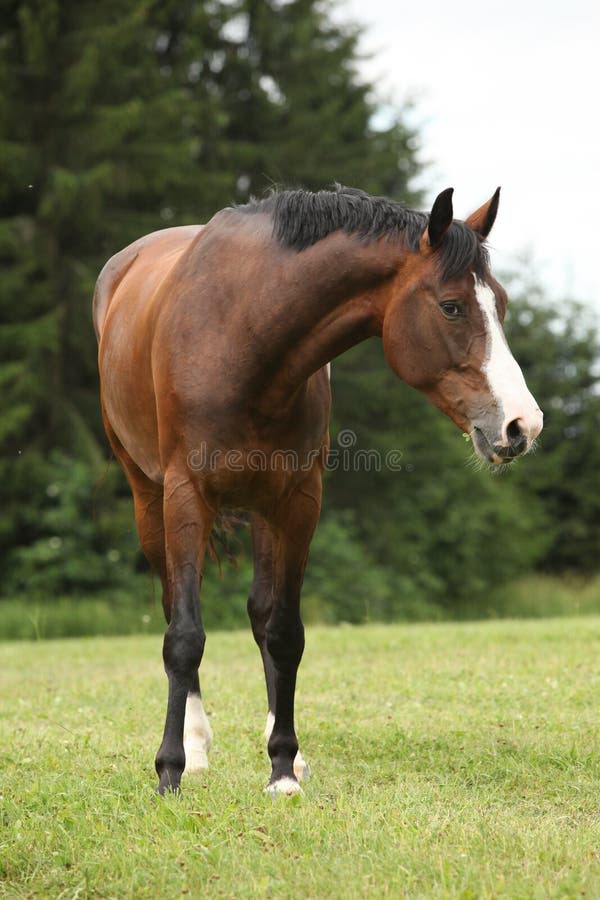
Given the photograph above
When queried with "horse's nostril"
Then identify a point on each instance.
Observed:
(516, 439)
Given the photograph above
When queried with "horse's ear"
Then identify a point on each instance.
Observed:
(482, 219)
(440, 219)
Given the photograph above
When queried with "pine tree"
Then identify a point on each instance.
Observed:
(558, 345)
(94, 154)
(296, 110)
(117, 119)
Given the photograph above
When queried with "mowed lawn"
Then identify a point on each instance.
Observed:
(448, 761)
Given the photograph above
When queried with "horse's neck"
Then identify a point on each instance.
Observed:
(327, 299)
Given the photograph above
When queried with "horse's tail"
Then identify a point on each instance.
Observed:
(223, 541)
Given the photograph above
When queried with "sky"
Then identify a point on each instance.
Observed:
(505, 93)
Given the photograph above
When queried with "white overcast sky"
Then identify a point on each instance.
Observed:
(506, 93)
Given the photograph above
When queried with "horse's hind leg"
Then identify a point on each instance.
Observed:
(187, 522)
(260, 604)
(293, 530)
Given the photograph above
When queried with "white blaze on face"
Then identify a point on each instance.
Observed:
(503, 373)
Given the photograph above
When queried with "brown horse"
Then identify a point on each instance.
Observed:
(217, 339)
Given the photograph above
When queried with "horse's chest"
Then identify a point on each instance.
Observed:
(256, 475)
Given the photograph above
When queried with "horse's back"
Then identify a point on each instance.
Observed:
(149, 259)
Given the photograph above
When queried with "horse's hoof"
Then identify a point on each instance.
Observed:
(283, 787)
(301, 768)
(166, 787)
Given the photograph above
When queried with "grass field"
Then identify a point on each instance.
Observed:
(448, 761)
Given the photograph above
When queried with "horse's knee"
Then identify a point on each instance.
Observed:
(253, 608)
(183, 647)
(259, 609)
(285, 642)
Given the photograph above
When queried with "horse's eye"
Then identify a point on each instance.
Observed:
(452, 309)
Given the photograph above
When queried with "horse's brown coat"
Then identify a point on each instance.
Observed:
(217, 338)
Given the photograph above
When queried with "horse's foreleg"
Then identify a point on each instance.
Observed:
(301, 767)
(188, 521)
(293, 531)
(260, 604)
(197, 733)
(148, 501)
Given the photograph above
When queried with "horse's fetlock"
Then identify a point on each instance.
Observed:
(170, 758)
(282, 748)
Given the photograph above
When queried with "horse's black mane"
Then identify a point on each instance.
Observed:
(302, 218)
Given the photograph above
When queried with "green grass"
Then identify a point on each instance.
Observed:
(448, 761)
(534, 596)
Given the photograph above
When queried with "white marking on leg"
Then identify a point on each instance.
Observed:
(269, 725)
(284, 787)
(301, 767)
(328, 367)
(197, 735)
(502, 371)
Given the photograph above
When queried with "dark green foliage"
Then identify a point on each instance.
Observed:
(78, 537)
(295, 111)
(558, 346)
(117, 119)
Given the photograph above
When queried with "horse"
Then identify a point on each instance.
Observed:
(217, 338)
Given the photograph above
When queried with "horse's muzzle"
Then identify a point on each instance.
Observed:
(517, 444)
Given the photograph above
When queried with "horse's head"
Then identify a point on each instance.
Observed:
(443, 334)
